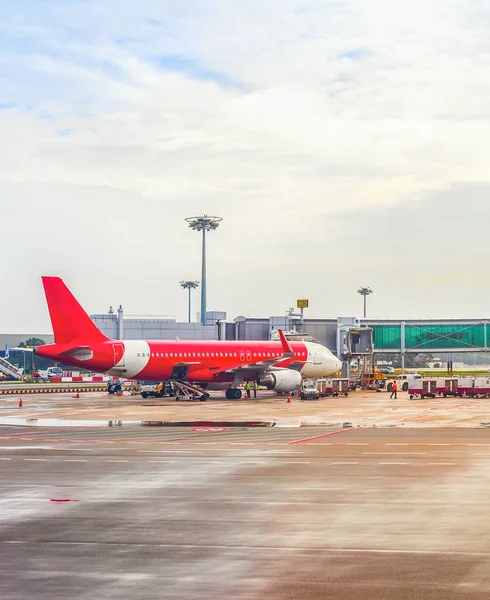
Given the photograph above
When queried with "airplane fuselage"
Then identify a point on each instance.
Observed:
(198, 361)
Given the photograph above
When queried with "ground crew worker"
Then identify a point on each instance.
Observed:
(394, 389)
(247, 389)
(256, 387)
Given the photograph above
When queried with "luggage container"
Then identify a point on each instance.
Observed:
(324, 387)
(447, 386)
(466, 386)
(482, 387)
(424, 388)
(340, 386)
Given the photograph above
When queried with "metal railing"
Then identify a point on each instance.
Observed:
(9, 369)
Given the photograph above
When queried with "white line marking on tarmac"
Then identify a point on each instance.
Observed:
(398, 453)
(162, 451)
(5, 459)
(38, 459)
(230, 547)
(440, 444)
(321, 444)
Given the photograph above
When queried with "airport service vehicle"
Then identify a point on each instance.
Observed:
(277, 365)
(47, 374)
(157, 390)
(402, 381)
(447, 386)
(424, 388)
(309, 390)
(373, 380)
(115, 385)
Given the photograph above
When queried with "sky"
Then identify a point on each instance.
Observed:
(345, 143)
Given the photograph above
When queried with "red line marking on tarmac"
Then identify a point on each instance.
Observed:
(316, 437)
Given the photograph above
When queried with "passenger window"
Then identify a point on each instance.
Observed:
(138, 353)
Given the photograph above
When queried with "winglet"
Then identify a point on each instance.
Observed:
(286, 346)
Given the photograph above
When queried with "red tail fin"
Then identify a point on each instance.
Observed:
(70, 322)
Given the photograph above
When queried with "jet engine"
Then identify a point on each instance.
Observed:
(285, 380)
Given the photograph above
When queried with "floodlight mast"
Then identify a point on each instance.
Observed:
(189, 285)
(204, 223)
(364, 291)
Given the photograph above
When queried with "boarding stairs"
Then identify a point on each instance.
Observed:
(9, 369)
(186, 391)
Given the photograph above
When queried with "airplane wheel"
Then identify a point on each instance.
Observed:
(237, 394)
(144, 394)
(229, 394)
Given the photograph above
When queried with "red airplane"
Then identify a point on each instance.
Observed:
(278, 365)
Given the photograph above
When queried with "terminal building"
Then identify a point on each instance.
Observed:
(347, 337)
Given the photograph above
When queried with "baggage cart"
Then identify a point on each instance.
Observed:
(424, 388)
(324, 387)
(482, 387)
(466, 386)
(447, 386)
(340, 386)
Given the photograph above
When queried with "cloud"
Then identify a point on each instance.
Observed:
(314, 128)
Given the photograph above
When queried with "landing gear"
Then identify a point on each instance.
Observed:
(233, 394)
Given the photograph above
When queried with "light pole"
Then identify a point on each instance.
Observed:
(189, 285)
(364, 291)
(204, 223)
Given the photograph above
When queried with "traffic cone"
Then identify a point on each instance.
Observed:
(289, 399)
(20, 403)
(78, 396)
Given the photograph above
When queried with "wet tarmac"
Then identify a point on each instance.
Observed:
(366, 409)
(216, 512)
